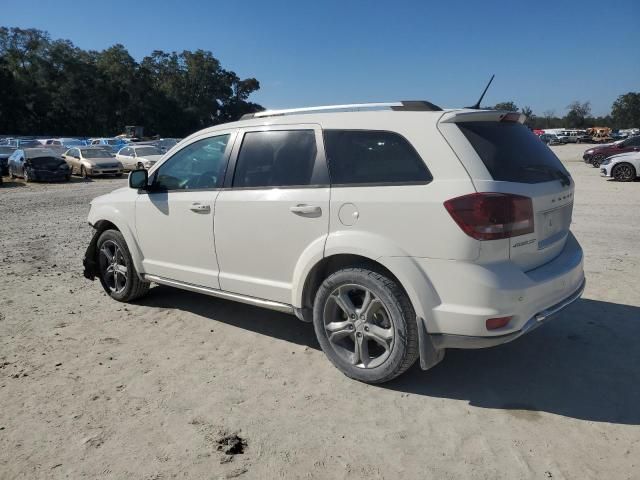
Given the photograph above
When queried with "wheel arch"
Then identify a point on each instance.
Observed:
(110, 218)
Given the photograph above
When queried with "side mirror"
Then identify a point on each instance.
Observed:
(139, 179)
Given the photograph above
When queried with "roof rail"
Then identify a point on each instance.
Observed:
(407, 106)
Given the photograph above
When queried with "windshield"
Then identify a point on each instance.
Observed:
(113, 142)
(512, 153)
(95, 153)
(29, 143)
(72, 143)
(144, 151)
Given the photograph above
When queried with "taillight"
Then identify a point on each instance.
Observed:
(491, 216)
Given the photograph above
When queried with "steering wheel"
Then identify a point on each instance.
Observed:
(204, 180)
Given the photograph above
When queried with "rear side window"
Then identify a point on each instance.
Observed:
(276, 158)
(372, 157)
(512, 153)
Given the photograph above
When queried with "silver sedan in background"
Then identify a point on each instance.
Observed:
(92, 161)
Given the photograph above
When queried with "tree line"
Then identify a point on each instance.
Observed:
(625, 113)
(52, 87)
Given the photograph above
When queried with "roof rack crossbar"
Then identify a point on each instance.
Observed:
(411, 105)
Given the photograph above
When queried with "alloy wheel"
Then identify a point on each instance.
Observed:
(358, 326)
(623, 173)
(113, 266)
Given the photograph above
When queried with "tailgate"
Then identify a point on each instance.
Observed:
(503, 155)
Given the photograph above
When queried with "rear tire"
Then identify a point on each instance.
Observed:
(83, 173)
(366, 325)
(117, 272)
(624, 172)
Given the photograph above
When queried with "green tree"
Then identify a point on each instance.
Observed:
(625, 111)
(531, 118)
(509, 106)
(577, 114)
(52, 87)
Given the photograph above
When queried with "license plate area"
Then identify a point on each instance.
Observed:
(554, 225)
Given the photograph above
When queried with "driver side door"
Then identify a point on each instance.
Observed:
(174, 218)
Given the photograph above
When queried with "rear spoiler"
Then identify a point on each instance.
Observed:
(467, 115)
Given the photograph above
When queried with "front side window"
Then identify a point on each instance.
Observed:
(276, 158)
(372, 157)
(200, 165)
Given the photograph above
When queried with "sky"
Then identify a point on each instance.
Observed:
(545, 54)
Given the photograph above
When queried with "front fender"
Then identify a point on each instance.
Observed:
(99, 214)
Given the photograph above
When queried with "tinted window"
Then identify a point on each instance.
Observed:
(632, 142)
(198, 165)
(126, 152)
(512, 153)
(360, 157)
(276, 159)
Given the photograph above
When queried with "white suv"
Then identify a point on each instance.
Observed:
(399, 229)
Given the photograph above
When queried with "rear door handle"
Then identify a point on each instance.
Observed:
(200, 208)
(304, 209)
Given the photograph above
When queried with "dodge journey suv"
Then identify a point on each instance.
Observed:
(398, 229)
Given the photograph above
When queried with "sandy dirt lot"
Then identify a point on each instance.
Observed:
(91, 388)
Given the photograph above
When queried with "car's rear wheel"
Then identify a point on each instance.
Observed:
(624, 172)
(118, 275)
(366, 325)
(83, 172)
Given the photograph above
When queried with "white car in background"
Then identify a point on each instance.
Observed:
(138, 157)
(624, 167)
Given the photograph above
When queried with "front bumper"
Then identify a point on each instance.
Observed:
(49, 176)
(441, 341)
(605, 170)
(106, 171)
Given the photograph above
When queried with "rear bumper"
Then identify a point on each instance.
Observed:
(441, 341)
(469, 294)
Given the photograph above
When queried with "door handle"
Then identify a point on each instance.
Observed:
(304, 209)
(200, 208)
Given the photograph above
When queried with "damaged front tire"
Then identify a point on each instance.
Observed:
(110, 260)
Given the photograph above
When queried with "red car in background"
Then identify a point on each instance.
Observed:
(596, 155)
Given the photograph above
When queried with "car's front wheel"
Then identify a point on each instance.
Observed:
(118, 275)
(596, 161)
(624, 172)
(365, 325)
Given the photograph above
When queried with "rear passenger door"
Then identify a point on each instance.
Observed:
(275, 207)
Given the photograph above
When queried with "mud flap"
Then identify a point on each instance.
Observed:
(430, 356)
(89, 262)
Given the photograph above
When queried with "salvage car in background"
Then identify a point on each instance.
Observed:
(5, 153)
(138, 157)
(41, 164)
(624, 167)
(596, 155)
(90, 161)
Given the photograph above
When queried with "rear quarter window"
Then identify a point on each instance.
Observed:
(360, 157)
(513, 153)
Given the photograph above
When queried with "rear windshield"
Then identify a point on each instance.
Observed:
(512, 153)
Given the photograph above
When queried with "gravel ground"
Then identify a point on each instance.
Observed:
(180, 385)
